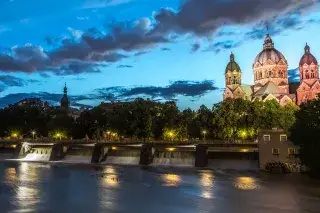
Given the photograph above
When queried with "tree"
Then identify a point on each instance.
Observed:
(305, 133)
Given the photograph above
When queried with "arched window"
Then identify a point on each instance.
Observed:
(312, 73)
(235, 80)
(229, 80)
(307, 74)
(270, 74)
(260, 75)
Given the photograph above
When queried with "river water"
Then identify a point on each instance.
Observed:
(35, 187)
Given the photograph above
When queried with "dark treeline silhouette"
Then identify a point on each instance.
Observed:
(146, 119)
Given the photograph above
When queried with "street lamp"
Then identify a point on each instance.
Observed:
(204, 132)
(58, 135)
(171, 135)
(33, 134)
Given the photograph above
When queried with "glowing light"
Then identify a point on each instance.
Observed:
(246, 183)
(204, 132)
(171, 149)
(244, 150)
(108, 132)
(171, 180)
(114, 148)
(206, 182)
(13, 146)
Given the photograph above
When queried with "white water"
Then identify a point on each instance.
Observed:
(173, 162)
(174, 159)
(76, 159)
(36, 157)
(123, 160)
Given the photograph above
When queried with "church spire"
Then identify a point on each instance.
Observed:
(307, 49)
(64, 103)
(268, 43)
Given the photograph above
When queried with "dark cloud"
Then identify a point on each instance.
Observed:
(202, 17)
(195, 47)
(223, 45)
(185, 88)
(294, 75)
(141, 53)
(12, 81)
(124, 66)
(165, 49)
(276, 26)
(191, 89)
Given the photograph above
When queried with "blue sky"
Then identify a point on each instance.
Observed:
(117, 50)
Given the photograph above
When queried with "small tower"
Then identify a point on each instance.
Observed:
(308, 66)
(233, 72)
(64, 103)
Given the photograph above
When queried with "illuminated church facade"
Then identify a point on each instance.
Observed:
(270, 69)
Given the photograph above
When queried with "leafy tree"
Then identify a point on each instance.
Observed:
(305, 133)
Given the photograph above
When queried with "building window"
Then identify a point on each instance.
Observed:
(312, 73)
(260, 75)
(275, 151)
(283, 138)
(266, 137)
(291, 151)
(307, 74)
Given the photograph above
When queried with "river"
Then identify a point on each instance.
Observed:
(54, 188)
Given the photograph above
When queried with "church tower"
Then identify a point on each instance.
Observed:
(233, 72)
(233, 80)
(309, 77)
(64, 103)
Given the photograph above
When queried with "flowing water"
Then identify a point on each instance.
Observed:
(38, 154)
(80, 155)
(63, 188)
(123, 157)
(176, 158)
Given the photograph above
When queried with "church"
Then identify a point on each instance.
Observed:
(270, 69)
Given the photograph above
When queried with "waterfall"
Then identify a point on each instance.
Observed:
(78, 155)
(174, 158)
(38, 154)
(123, 157)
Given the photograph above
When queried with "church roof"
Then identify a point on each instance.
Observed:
(233, 65)
(247, 89)
(308, 58)
(269, 53)
(268, 88)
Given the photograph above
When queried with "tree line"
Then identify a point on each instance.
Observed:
(231, 120)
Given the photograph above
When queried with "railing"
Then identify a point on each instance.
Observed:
(124, 141)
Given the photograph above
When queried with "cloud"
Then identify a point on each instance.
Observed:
(191, 89)
(165, 49)
(75, 33)
(12, 81)
(202, 17)
(4, 29)
(91, 4)
(223, 45)
(195, 47)
(141, 53)
(294, 75)
(124, 66)
(83, 18)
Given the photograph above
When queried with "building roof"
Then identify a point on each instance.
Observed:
(308, 58)
(268, 88)
(269, 53)
(233, 65)
(247, 89)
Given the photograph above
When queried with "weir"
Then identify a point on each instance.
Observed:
(173, 157)
(124, 155)
(35, 152)
(78, 153)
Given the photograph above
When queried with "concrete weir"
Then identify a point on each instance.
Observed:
(222, 156)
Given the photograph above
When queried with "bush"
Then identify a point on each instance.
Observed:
(277, 167)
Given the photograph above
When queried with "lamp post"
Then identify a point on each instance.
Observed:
(33, 134)
(58, 136)
(204, 132)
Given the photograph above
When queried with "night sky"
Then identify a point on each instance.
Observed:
(118, 50)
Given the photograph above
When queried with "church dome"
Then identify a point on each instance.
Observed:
(233, 65)
(269, 53)
(308, 58)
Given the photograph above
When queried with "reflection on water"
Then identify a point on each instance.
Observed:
(171, 180)
(206, 183)
(31, 187)
(246, 183)
(110, 178)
